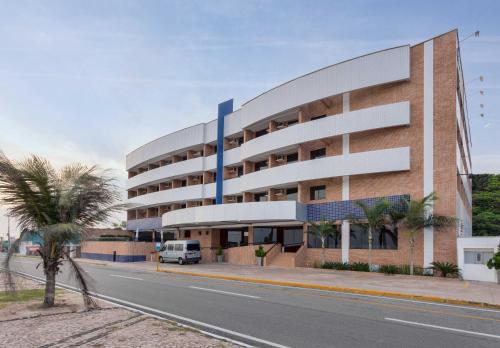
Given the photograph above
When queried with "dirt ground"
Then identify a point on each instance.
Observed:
(68, 324)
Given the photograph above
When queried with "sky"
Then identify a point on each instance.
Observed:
(89, 81)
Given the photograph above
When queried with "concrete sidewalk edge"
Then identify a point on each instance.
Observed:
(359, 291)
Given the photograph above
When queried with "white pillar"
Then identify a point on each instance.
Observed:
(428, 143)
(346, 234)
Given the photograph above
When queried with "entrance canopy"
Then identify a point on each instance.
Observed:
(236, 213)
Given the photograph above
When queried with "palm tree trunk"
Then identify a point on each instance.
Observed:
(50, 285)
(322, 251)
(370, 243)
(412, 246)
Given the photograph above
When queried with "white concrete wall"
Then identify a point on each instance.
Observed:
(237, 212)
(475, 271)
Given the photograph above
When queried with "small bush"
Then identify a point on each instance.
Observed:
(446, 268)
(388, 269)
(494, 262)
(260, 252)
(360, 267)
(343, 266)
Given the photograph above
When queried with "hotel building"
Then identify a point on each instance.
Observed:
(391, 124)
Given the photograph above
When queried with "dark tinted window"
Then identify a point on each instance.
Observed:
(240, 170)
(170, 247)
(291, 194)
(187, 234)
(317, 117)
(260, 197)
(319, 153)
(193, 247)
(260, 165)
(264, 235)
(333, 242)
(261, 133)
(183, 183)
(383, 238)
(317, 192)
(293, 157)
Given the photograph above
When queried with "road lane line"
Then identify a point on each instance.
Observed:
(121, 276)
(443, 328)
(138, 307)
(224, 292)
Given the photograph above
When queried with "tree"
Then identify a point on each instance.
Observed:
(486, 205)
(323, 229)
(56, 206)
(419, 216)
(375, 216)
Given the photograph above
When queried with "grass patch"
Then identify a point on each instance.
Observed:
(21, 295)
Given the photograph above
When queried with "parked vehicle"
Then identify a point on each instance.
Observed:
(181, 251)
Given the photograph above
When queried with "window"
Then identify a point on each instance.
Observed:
(234, 238)
(183, 205)
(260, 165)
(477, 256)
(193, 247)
(291, 194)
(332, 242)
(240, 141)
(170, 247)
(215, 148)
(214, 201)
(215, 176)
(317, 117)
(260, 197)
(261, 133)
(179, 247)
(187, 234)
(383, 238)
(240, 170)
(293, 157)
(184, 157)
(319, 153)
(292, 122)
(183, 183)
(317, 192)
(239, 199)
(264, 235)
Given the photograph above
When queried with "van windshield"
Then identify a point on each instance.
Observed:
(193, 247)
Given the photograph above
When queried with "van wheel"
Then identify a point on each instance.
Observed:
(161, 259)
(181, 261)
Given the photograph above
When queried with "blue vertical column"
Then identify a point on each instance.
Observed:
(225, 108)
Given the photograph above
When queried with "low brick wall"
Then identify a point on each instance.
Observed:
(125, 251)
(244, 255)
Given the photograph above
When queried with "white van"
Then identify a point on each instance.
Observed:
(181, 251)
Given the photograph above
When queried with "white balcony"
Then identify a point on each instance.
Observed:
(379, 161)
(384, 116)
(180, 194)
(250, 212)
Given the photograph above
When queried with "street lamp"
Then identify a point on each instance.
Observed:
(475, 34)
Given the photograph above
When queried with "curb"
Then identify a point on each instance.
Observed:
(390, 294)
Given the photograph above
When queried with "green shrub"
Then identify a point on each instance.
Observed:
(360, 267)
(389, 269)
(343, 266)
(446, 268)
(260, 252)
(494, 262)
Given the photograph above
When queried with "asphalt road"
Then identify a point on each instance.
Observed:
(266, 315)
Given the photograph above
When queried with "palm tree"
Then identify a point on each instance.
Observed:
(375, 216)
(419, 216)
(323, 229)
(57, 207)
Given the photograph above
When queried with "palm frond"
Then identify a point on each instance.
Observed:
(83, 283)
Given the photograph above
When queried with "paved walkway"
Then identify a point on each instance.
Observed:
(447, 288)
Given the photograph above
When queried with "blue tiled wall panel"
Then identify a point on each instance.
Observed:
(344, 210)
(109, 257)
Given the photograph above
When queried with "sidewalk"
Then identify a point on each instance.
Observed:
(434, 289)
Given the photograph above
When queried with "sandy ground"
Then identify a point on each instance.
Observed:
(68, 324)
